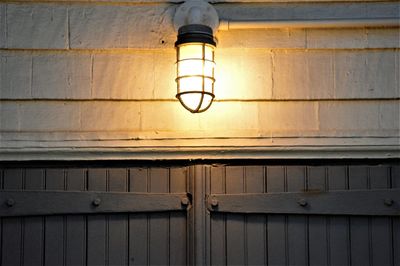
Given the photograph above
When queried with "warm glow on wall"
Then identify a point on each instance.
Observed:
(195, 67)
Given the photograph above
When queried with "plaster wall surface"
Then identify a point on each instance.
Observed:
(83, 76)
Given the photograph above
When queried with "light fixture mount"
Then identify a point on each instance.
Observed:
(195, 22)
(196, 12)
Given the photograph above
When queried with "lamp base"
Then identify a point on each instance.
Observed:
(196, 12)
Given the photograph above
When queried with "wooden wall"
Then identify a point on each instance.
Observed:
(98, 76)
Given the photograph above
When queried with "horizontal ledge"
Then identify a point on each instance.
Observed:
(310, 23)
(133, 51)
(135, 2)
(109, 2)
(28, 203)
(192, 153)
(221, 100)
(382, 202)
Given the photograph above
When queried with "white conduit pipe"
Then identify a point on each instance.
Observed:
(311, 23)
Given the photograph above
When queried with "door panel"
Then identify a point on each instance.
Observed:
(200, 235)
(95, 239)
(304, 239)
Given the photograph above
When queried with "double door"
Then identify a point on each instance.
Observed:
(216, 214)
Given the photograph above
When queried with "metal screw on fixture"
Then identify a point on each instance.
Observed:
(388, 202)
(214, 202)
(185, 201)
(10, 202)
(96, 202)
(302, 202)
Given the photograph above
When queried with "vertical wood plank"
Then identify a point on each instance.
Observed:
(75, 247)
(359, 227)
(138, 223)
(159, 222)
(235, 231)
(12, 227)
(177, 241)
(255, 224)
(197, 238)
(395, 175)
(207, 237)
(339, 239)
(118, 223)
(276, 224)
(1, 219)
(217, 224)
(54, 229)
(317, 230)
(33, 231)
(97, 225)
(381, 231)
(297, 224)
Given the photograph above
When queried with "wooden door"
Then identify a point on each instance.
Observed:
(258, 213)
(80, 231)
(304, 215)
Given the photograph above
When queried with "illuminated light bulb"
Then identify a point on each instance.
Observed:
(195, 67)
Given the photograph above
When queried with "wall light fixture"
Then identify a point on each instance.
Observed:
(196, 21)
(195, 64)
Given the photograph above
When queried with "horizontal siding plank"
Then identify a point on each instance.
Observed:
(312, 10)
(309, 38)
(134, 75)
(351, 38)
(341, 116)
(144, 25)
(36, 26)
(218, 1)
(370, 74)
(274, 75)
(335, 74)
(16, 75)
(77, 75)
(101, 26)
(169, 119)
(60, 76)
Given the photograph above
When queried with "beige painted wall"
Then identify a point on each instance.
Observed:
(91, 80)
